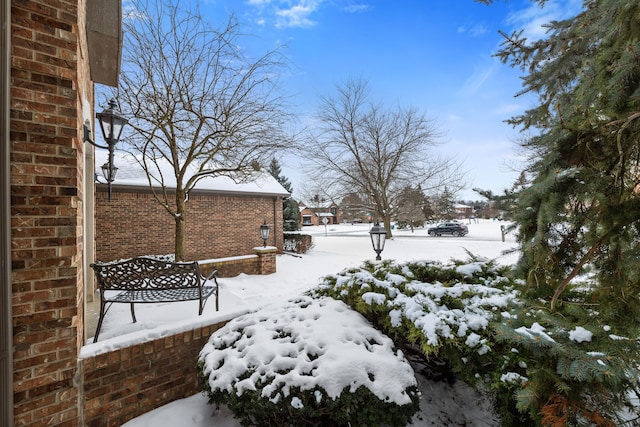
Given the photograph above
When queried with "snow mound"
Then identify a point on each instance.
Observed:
(306, 344)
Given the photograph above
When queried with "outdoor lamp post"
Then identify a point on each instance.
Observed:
(111, 123)
(378, 235)
(264, 232)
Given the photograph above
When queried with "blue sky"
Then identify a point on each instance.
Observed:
(435, 55)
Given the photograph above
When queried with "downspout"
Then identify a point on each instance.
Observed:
(6, 333)
(275, 222)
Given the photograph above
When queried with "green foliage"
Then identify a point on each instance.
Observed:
(581, 208)
(412, 208)
(444, 204)
(290, 208)
(296, 380)
(291, 215)
(352, 408)
(579, 218)
(540, 366)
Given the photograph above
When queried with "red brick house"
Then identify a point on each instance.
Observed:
(223, 216)
(51, 54)
(315, 216)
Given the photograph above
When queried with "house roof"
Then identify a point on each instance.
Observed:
(131, 176)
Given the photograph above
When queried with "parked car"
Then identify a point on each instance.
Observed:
(452, 228)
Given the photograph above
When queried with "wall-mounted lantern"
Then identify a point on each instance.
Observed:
(111, 124)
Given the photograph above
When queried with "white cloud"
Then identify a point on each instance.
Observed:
(475, 31)
(356, 8)
(129, 11)
(478, 30)
(508, 109)
(297, 16)
(295, 13)
(477, 79)
(532, 19)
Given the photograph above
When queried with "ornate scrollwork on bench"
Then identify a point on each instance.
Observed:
(151, 280)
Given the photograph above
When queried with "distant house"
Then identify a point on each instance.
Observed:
(463, 211)
(315, 216)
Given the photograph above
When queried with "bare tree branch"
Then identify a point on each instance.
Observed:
(196, 102)
(361, 146)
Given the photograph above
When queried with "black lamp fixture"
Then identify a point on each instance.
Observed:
(264, 232)
(111, 123)
(378, 236)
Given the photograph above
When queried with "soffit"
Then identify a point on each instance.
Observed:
(104, 40)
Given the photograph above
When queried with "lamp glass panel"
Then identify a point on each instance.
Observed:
(117, 126)
(109, 173)
(111, 123)
(383, 238)
(378, 237)
(105, 126)
(264, 231)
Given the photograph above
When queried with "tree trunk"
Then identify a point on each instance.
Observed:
(181, 225)
(387, 225)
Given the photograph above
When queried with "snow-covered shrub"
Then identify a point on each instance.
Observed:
(543, 368)
(308, 362)
(297, 242)
(428, 303)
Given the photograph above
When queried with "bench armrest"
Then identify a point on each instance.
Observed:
(212, 275)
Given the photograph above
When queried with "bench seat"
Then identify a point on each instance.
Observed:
(159, 295)
(151, 280)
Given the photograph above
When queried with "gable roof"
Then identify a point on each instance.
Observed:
(132, 177)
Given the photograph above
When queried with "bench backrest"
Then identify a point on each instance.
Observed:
(147, 273)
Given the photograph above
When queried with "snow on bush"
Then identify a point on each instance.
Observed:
(580, 334)
(539, 365)
(310, 359)
(455, 310)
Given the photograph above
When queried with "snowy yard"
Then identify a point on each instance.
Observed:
(335, 247)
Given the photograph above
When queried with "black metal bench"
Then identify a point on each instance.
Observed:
(151, 280)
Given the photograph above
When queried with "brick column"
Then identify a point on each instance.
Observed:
(266, 259)
(46, 210)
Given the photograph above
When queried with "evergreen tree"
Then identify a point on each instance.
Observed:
(355, 207)
(290, 207)
(276, 171)
(411, 207)
(445, 204)
(507, 201)
(579, 218)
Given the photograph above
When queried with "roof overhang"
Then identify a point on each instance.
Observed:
(144, 189)
(104, 40)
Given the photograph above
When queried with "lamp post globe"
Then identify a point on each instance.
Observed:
(264, 233)
(378, 236)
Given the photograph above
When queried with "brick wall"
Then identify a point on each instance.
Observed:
(46, 209)
(51, 91)
(126, 383)
(231, 267)
(218, 226)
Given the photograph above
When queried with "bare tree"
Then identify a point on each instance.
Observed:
(196, 103)
(361, 146)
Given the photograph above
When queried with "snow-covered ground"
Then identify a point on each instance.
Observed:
(335, 247)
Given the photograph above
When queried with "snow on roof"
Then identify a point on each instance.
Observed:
(131, 174)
